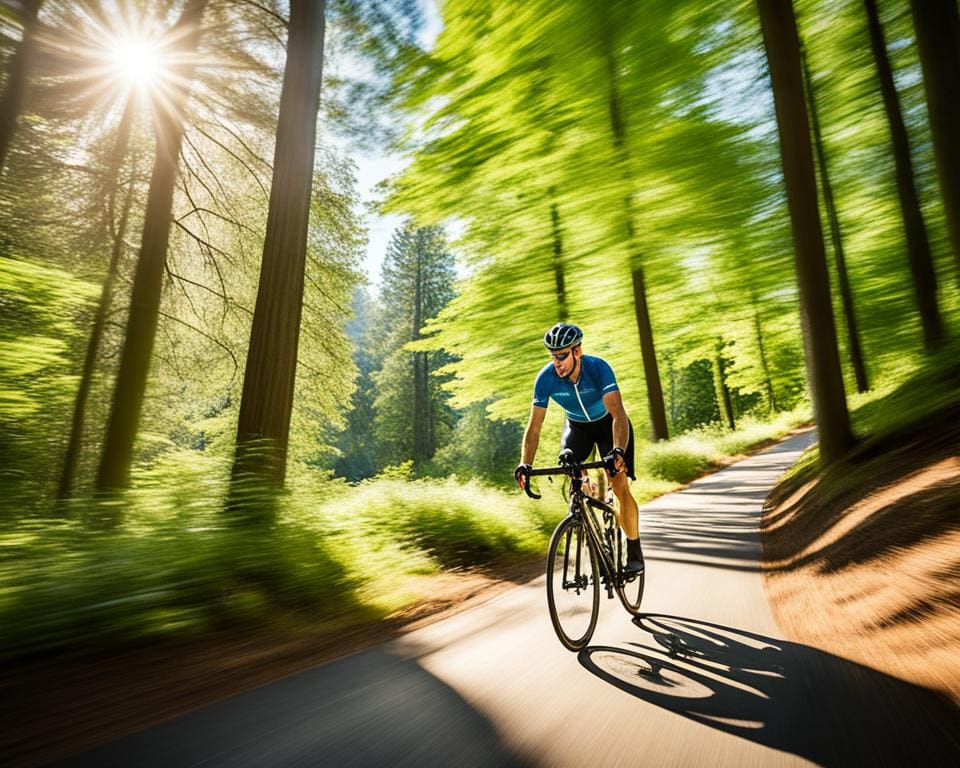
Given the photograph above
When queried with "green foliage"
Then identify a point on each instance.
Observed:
(40, 308)
(356, 444)
(482, 447)
(690, 398)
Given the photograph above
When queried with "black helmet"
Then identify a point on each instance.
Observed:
(562, 335)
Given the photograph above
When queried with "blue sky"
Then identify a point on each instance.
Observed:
(374, 168)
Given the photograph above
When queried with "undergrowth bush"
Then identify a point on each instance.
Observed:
(457, 523)
(686, 457)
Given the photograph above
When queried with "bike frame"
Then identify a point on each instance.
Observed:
(580, 503)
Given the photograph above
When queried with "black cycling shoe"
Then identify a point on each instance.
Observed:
(634, 558)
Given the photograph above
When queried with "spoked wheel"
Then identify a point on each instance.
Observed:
(629, 588)
(573, 588)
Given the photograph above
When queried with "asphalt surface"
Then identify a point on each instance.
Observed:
(492, 686)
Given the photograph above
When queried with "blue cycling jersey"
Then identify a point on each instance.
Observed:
(582, 401)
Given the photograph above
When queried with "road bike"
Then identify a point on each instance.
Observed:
(587, 550)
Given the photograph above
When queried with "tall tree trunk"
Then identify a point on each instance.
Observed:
(720, 387)
(672, 376)
(429, 407)
(816, 311)
(93, 348)
(419, 369)
(263, 427)
(658, 414)
(765, 366)
(846, 295)
(918, 248)
(563, 312)
(118, 231)
(16, 85)
(938, 41)
(137, 350)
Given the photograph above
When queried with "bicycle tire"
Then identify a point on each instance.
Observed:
(629, 590)
(572, 591)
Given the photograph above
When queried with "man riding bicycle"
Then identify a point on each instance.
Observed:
(586, 388)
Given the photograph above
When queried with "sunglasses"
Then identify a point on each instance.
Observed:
(560, 356)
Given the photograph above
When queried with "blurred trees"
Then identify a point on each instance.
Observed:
(918, 248)
(820, 341)
(619, 165)
(15, 81)
(117, 229)
(836, 237)
(610, 165)
(938, 41)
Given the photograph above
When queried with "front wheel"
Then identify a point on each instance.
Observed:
(573, 589)
(629, 588)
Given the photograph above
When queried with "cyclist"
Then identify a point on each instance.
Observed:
(586, 388)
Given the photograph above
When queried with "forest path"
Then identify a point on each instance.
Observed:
(491, 685)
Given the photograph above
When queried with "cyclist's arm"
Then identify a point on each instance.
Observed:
(621, 426)
(531, 436)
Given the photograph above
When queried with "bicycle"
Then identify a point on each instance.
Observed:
(585, 553)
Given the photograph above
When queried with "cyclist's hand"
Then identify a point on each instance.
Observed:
(614, 462)
(522, 475)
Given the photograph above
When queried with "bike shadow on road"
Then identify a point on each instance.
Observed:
(783, 695)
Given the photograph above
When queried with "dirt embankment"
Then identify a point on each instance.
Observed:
(863, 561)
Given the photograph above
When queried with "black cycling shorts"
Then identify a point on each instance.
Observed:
(581, 436)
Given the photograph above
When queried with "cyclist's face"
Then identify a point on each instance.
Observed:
(564, 360)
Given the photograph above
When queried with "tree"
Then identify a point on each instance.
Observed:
(822, 358)
(721, 388)
(840, 259)
(413, 418)
(938, 39)
(268, 385)
(118, 233)
(16, 82)
(658, 415)
(918, 248)
(141, 328)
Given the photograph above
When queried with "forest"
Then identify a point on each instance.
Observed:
(211, 415)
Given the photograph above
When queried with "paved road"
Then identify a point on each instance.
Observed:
(492, 686)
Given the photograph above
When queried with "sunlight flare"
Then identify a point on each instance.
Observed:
(137, 61)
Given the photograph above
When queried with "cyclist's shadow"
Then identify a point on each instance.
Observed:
(783, 695)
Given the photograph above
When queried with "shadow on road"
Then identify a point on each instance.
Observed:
(370, 709)
(783, 695)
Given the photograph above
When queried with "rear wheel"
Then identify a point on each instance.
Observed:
(573, 589)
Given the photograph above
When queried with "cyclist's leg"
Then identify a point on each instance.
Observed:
(627, 506)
